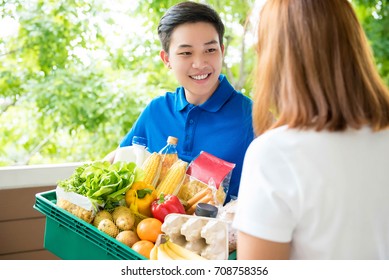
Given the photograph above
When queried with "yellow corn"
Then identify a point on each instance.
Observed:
(172, 182)
(152, 168)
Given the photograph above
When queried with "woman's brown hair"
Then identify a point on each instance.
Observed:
(315, 69)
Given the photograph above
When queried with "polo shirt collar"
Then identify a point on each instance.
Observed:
(181, 101)
(214, 103)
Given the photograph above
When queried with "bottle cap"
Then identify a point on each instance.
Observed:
(206, 210)
(138, 140)
(172, 140)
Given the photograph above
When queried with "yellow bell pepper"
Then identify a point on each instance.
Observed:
(140, 197)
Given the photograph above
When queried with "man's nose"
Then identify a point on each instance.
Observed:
(199, 62)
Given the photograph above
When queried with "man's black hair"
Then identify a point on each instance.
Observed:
(187, 12)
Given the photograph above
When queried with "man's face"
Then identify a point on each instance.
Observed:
(195, 58)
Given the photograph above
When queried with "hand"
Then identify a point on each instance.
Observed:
(110, 157)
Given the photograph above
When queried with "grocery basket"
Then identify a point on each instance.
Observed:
(71, 238)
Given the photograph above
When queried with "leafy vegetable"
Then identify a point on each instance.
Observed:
(102, 182)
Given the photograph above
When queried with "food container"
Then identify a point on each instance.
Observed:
(71, 238)
(207, 237)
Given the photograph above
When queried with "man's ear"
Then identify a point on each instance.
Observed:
(165, 58)
(222, 48)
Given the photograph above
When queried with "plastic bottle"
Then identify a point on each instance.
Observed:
(169, 155)
(137, 152)
(139, 145)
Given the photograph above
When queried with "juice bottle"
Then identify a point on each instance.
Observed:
(169, 155)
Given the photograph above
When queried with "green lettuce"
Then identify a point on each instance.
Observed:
(102, 182)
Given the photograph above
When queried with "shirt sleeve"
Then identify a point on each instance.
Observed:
(268, 197)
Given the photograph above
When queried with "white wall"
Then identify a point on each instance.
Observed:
(35, 175)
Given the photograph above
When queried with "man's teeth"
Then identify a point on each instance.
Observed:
(200, 77)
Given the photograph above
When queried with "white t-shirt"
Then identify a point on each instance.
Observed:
(327, 192)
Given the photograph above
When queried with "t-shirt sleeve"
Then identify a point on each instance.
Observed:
(268, 195)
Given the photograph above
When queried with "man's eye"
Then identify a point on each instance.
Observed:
(211, 50)
(185, 53)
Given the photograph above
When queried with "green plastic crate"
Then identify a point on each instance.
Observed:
(71, 238)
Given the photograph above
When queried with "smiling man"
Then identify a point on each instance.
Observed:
(205, 113)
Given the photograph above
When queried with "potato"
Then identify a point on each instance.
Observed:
(120, 210)
(107, 226)
(125, 221)
(127, 237)
(103, 214)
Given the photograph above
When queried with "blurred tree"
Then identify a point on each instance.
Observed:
(75, 74)
(374, 16)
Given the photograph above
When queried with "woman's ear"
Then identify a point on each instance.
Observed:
(165, 58)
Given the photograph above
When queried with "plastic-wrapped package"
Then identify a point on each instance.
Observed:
(212, 171)
(207, 181)
(226, 214)
(190, 187)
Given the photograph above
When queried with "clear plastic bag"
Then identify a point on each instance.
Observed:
(227, 214)
(214, 172)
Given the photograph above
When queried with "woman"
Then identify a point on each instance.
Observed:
(315, 183)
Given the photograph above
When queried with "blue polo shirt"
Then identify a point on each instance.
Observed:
(221, 126)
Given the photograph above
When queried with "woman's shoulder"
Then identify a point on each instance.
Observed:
(308, 140)
(273, 134)
(283, 138)
(268, 140)
(286, 134)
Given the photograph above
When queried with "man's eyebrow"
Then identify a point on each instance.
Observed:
(212, 42)
(184, 46)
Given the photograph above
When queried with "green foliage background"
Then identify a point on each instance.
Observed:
(76, 73)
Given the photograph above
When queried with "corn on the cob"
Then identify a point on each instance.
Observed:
(152, 168)
(173, 179)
